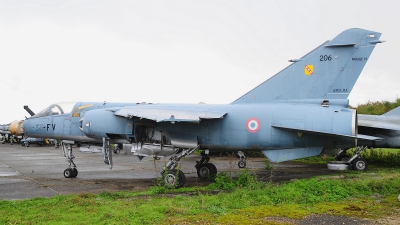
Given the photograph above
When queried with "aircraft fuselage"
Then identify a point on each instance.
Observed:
(244, 127)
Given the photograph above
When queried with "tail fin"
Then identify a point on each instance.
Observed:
(328, 72)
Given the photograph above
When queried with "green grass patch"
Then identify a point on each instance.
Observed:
(381, 157)
(241, 200)
(319, 159)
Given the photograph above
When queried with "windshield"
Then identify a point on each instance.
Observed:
(56, 109)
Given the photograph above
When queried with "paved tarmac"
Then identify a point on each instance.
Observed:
(37, 171)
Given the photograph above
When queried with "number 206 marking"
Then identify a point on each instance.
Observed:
(325, 58)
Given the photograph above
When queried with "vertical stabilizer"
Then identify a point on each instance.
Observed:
(328, 72)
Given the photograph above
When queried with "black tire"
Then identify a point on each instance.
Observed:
(182, 179)
(174, 179)
(74, 172)
(242, 164)
(359, 164)
(68, 173)
(40, 143)
(215, 171)
(206, 171)
(27, 144)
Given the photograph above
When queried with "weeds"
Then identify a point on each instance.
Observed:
(268, 165)
(379, 157)
(246, 200)
(240, 198)
(244, 180)
(317, 159)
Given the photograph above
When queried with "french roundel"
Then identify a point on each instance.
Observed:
(253, 125)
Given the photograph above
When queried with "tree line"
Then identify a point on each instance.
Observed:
(377, 108)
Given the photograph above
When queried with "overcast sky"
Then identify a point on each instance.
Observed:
(176, 51)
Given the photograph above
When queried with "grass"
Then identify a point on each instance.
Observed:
(380, 157)
(383, 157)
(244, 200)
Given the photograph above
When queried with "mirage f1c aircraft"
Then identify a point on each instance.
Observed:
(295, 114)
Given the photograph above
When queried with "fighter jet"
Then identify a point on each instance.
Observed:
(386, 126)
(294, 114)
(11, 132)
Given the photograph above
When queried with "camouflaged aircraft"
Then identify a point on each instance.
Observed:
(296, 113)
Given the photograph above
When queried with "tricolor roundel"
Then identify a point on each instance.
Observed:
(253, 125)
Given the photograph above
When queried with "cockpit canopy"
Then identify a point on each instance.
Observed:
(56, 109)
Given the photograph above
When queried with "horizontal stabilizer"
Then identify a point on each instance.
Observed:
(389, 122)
(367, 137)
(281, 155)
(338, 44)
(393, 112)
(322, 133)
(166, 114)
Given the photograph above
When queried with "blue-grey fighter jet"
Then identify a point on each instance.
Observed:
(386, 126)
(11, 132)
(295, 114)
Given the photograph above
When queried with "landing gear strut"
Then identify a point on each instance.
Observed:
(242, 160)
(107, 153)
(172, 177)
(71, 171)
(342, 155)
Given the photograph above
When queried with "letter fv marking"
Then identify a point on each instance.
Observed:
(53, 126)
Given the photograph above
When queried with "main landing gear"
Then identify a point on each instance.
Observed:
(205, 170)
(172, 177)
(175, 178)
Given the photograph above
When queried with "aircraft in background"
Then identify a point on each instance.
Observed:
(12, 132)
(386, 126)
(295, 114)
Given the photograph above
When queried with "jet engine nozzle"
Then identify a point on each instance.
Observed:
(16, 127)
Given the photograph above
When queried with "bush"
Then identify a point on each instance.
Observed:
(379, 157)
